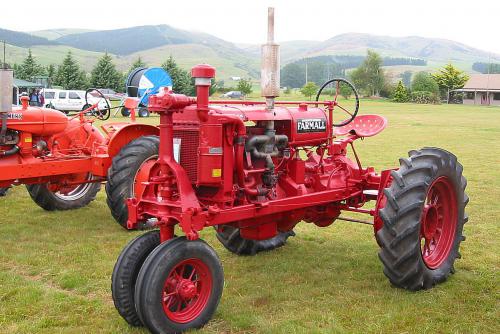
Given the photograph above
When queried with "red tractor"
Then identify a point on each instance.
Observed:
(253, 170)
(63, 160)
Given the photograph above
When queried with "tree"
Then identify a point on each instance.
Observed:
(449, 78)
(401, 93)
(244, 86)
(69, 75)
(309, 89)
(105, 75)
(406, 78)
(182, 82)
(51, 73)
(369, 76)
(29, 68)
(424, 82)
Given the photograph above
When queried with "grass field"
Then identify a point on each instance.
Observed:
(55, 267)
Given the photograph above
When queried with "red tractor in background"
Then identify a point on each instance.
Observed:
(253, 170)
(63, 159)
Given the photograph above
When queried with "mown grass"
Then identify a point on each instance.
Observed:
(55, 267)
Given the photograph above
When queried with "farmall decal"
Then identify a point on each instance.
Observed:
(311, 125)
(15, 115)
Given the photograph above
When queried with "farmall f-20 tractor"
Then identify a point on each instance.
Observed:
(253, 170)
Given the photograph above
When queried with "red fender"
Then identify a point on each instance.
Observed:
(123, 133)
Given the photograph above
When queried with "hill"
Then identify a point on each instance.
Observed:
(22, 39)
(130, 40)
(52, 34)
(155, 43)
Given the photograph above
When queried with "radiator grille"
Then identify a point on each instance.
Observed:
(189, 137)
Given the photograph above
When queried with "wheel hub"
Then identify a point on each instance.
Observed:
(186, 289)
(430, 221)
(438, 222)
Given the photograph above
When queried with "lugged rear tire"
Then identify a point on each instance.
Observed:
(231, 239)
(125, 274)
(425, 202)
(122, 173)
(50, 201)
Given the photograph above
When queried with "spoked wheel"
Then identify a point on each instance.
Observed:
(423, 219)
(437, 230)
(129, 169)
(100, 113)
(344, 97)
(125, 274)
(64, 198)
(179, 286)
(232, 240)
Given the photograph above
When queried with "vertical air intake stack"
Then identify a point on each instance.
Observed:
(6, 83)
(270, 67)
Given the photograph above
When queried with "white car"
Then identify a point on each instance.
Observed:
(74, 100)
(49, 95)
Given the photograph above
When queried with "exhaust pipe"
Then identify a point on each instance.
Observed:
(6, 84)
(270, 66)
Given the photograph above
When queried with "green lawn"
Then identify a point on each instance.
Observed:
(55, 267)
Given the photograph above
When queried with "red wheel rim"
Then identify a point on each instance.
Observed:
(142, 175)
(438, 222)
(186, 290)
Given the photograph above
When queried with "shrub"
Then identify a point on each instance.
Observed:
(424, 98)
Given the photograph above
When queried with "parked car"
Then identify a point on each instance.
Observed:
(111, 94)
(74, 100)
(234, 94)
(49, 95)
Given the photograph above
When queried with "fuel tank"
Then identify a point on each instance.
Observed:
(38, 121)
(303, 125)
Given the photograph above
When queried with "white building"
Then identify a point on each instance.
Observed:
(482, 89)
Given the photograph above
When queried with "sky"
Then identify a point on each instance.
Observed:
(473, 23)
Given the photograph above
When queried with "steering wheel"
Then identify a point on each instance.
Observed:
(103, 114)
(344, 88)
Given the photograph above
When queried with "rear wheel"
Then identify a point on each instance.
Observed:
(125, 274)
(64, 199)
(129, 169)
(143, 112)
(125, 112)
(179, 286)
(232, 240)
(423, 219)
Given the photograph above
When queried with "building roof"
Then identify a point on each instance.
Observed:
(483, 82)
(26, 84)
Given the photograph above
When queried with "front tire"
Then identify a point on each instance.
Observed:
(125, 273)
(77, 198)
(423, 219)
(127, 172)
(232, 240)
(179, 286)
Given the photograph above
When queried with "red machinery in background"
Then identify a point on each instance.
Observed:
(63, 160)
(253, 170)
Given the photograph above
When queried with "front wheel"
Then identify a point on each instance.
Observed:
(423, 219)
(179, 286)
(125, 274)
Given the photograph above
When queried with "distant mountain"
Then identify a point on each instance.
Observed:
(52, 34)
(155, 43)
(130, 40)
(23, 39)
